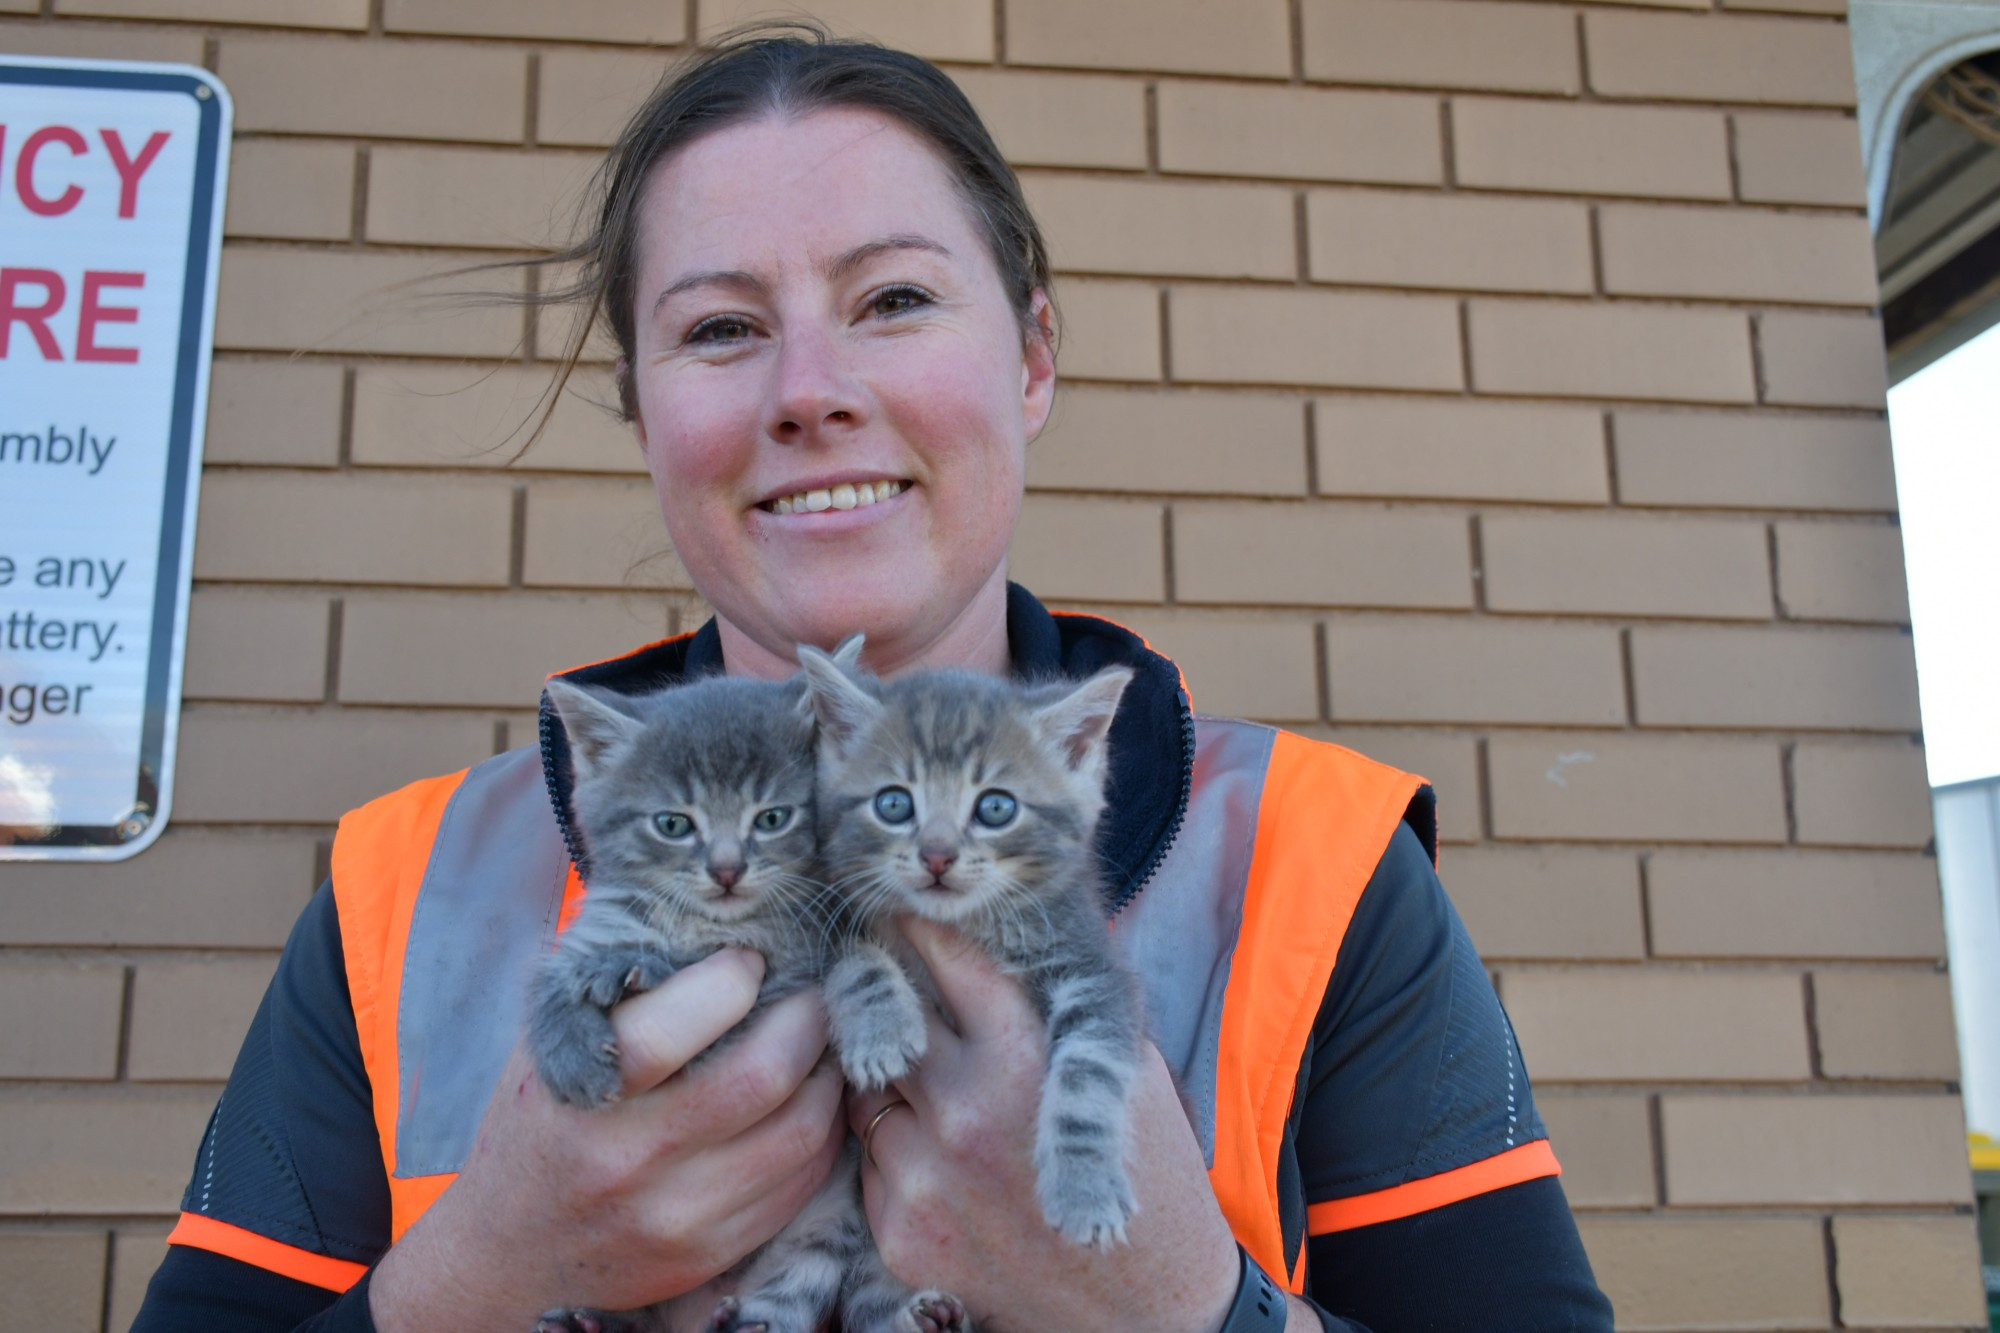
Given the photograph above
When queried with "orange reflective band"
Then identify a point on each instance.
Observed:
(1530, 1161)
(205, 1233)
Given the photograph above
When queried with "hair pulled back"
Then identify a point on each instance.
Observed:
(788, 69)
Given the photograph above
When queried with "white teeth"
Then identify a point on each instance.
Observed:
(844, 496)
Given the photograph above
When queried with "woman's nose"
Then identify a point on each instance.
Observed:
(813, 389)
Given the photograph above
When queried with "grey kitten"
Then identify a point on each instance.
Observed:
(695, 806)
(970, 800)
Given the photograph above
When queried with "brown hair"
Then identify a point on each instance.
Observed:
(788, 69)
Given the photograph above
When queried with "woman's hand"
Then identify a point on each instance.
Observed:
(951, 1188)
(646, 1199)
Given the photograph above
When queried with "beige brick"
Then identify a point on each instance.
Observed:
(290, 190)
(192, 888)
(492, 650)
(1320, 555)
(1060, 120)
(1737, 254)
(1756, 904)
(1440, 44)
(1842, 571)
(1548, 902)
(1252, 37)
(1611, 351)
(1789, 6)
(120, 1152)
(1814, 1150)
(1908, 1272)
(1459, 449)
(1824, 679)
(1597, 1025)
(1885, 1025)
(354, 529)
(585, 97)
(1710, 1273)
(1308, 133)
(262, 646)
(1345, 339)
(391, 90)
(1238, 667)
(1611, 788)
(1109, 330)
(1626, 566)
(242, 765)
(450, 196)
(1090, 550)
(1799, 158)
(265, 13)
(284, 300)
(1450, 763)
(1178, 441)
(136, 1251)
(1100, 225)
(1427, 669)
(63, 1018)
(937, 29)
(1708, 60)
(1605, 1145)
(598, 535)
(189, 1015)
(1405, 239)
(54, 1279)
(1590, 149)
(643, 21)
(1816, 360)
(283, 413)
(97, 41)
(481, 417)
(1861, 795)
(1754, 462)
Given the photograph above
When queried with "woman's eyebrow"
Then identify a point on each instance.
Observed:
(734, 278)
(846, 263)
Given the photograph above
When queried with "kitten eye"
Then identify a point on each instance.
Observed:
(894, 805)
(996, 809)
(673, 824)
(770, 821)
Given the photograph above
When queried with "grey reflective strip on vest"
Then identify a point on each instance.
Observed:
(1180, 932)
(493, 889)
(485, 912)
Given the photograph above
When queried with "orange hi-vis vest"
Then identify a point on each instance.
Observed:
(449, 889)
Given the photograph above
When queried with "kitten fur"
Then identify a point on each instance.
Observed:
(906, 768)
(723, 754)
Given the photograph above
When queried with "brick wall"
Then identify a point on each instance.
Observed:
(1490, 386)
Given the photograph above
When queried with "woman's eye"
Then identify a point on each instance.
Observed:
(720, 329)
(899, 300)
(996, 809)
(770, 821)
(673, 824)
(894, 805)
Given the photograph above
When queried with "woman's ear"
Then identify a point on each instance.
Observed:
(1038, 363)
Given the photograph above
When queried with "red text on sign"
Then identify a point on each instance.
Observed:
(33, 297)
(33, 183)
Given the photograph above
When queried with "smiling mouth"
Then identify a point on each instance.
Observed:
(844, 496)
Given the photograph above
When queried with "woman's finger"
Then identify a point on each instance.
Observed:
(661, 1030)
(984, 1001)
(754, 1075)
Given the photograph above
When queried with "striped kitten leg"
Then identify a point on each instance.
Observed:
(793, 1284)
(874, 1014)
(1084, 1123)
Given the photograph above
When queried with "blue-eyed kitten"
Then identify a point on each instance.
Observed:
(971, 800)
(695, 806)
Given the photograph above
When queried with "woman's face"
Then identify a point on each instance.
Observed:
(834, 392)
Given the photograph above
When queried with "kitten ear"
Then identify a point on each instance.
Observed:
(596, 728)
(842, 706)
(847, 653)
(1076, 724)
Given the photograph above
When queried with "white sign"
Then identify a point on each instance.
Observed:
(111, 189)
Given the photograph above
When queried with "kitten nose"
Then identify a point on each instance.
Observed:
(725, 873)
(938, 860)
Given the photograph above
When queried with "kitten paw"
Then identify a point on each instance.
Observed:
(933, 1312)
(728, 1318)
(877, 1021)
(1089, 1205)
(582, 1321)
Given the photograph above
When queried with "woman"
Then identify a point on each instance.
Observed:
(836, 341)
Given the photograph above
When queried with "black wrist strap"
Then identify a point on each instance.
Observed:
(1260, 1302)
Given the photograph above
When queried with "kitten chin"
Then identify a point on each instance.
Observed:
(972, 800)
